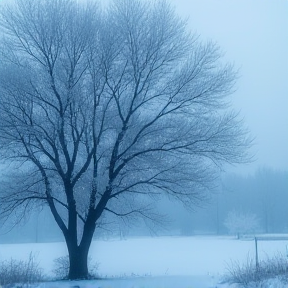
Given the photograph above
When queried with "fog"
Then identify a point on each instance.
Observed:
(253, 35)
(263, 195)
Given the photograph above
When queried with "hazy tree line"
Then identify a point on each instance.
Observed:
(263, 194)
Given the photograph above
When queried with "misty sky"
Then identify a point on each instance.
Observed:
(254, 36)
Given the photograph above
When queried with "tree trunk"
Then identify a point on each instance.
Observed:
(78, 260)
(78, 253)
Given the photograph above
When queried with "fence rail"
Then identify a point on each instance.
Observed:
(268, 238)
(272, 238)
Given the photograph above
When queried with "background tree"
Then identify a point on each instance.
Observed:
(266, 190)
(101, 111)
(241, 223)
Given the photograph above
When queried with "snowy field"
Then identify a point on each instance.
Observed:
(176, 262)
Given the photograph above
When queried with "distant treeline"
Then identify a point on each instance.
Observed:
(263, 194)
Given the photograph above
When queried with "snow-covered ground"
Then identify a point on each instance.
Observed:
(176, 262)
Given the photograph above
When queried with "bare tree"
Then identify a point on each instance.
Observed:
(102, 110)
(241, 223)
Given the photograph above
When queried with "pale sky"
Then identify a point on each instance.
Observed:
(254, 36)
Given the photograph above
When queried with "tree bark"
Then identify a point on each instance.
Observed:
(78, 260)
(78, 253)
